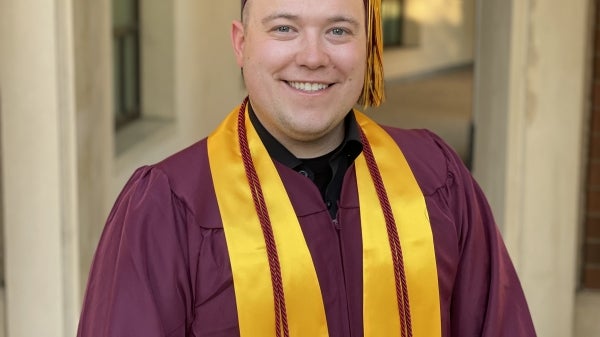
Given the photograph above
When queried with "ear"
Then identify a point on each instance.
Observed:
(237, 41)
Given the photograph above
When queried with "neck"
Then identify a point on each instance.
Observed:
(313, 148)
(302, 146)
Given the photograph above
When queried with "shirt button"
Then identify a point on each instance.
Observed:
(329, 203)
(304, 173)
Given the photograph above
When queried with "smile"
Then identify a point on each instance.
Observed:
(308, 87)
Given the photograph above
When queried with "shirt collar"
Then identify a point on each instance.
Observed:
(351, 145)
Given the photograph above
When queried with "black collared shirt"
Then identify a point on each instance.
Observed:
(327, 171)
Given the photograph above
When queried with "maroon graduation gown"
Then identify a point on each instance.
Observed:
(162, 268)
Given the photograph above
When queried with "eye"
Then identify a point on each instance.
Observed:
(283, 29)
(338, 31)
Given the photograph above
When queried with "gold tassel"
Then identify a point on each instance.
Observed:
(373, 90)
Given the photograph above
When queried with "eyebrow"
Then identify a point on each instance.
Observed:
(293, 17)
(276, 16)
(341, 18)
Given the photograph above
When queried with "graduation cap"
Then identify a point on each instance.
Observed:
(373, 91)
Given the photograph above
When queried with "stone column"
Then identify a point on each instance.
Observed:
(39, 167)
(529, 114)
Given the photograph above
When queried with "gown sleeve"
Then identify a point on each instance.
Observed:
(487, 298)
(139, 283)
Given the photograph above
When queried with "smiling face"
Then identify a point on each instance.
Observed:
(303, 64)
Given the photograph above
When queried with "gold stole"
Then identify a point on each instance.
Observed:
(305, 310)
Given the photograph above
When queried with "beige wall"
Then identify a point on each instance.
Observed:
(445, 35)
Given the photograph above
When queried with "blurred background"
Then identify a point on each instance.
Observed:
(90, 90)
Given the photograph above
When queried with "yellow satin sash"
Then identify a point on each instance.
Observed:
(305, 309)
(380, 309)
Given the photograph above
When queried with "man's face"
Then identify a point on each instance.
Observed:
(303, 64)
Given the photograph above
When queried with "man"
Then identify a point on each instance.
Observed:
(299, 216)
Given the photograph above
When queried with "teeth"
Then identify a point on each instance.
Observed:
(304, 86)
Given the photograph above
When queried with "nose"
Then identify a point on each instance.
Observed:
(313, 53)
